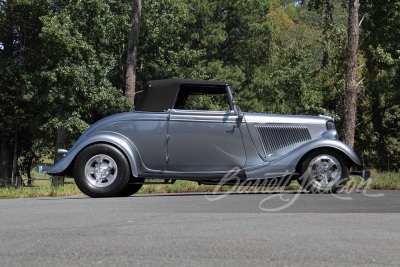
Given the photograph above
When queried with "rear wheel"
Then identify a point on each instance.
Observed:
(324, 171)
(101, 171)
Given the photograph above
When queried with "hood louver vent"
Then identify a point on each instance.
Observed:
(274, 138)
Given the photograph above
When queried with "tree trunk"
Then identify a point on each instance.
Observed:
(5, 145)
(61, 137)
(132, 51)
(6, 159)
(15, 162)
(18, 179)
(350, 94)
(28, 171)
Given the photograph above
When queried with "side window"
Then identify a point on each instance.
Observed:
(202, 98)
(207, 102)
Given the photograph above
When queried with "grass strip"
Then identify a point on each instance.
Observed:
(382, 181)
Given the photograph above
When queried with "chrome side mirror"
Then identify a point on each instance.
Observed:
(240, 116)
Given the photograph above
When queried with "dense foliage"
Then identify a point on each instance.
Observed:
(63, 64)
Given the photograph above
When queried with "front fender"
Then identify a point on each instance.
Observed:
(118, 140)
(331, 143)
(287, 164)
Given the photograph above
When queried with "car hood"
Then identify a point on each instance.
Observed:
(292, 119)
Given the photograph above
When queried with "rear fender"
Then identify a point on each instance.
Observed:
(112, 138)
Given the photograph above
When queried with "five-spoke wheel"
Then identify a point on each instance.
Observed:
(324, 171)
(101, 170)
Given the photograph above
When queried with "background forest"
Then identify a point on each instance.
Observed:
(63, 64)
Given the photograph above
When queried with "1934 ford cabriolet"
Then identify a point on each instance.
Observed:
(169, 137)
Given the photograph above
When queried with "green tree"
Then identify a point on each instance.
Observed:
(305, 72)
(63, 71)
(235, 38)
(19, 39)
(381, 124)
(220, 40)
(351, 60)
(164, 50)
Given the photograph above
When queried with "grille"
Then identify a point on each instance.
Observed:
(276, 137)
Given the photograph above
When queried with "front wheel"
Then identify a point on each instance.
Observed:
(101, 171)
(324, 171)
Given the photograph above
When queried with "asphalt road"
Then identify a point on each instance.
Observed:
(189, 229)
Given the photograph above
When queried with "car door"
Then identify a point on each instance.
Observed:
(204, 141)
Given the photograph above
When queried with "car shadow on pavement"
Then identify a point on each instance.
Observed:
(221, 193)
(192, 194)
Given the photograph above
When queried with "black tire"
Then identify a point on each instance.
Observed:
(316, 175)
(131, 189)
(101, 170)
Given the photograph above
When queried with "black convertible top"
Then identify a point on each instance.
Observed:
(161, 95)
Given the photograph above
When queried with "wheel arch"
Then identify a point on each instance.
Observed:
(350, 162)
(128, 149)
(123, 151)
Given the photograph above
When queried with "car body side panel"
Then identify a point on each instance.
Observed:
(141, 136)
(287, 164)
(252, 156)
(149, 137)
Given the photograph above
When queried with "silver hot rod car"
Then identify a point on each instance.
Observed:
(178, 131)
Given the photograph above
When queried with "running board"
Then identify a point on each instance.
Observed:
(166, 181)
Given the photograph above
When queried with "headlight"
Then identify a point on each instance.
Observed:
(330, 125)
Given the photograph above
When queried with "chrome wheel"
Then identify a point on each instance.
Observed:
(101, 170)
(325, 171)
